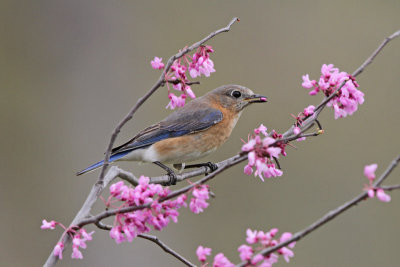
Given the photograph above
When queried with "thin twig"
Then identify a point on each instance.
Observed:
(375, 53)
(390, 187)
(167, 249)
(328, 216)
(154, 239)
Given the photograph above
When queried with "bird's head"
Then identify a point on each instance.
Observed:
(235, 97)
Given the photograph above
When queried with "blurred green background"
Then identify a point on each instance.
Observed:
(70, 70)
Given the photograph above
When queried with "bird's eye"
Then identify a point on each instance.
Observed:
(236, 94)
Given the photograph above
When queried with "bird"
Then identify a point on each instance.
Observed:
(190, 133)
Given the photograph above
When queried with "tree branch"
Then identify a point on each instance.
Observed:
(167, 249)
(390, 187)
(328, 216)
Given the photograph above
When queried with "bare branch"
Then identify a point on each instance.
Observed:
(154, 239)
(167, 249)
(330, 215)
(390, 187)
(375, 53)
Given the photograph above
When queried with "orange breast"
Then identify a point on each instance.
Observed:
(197, 145)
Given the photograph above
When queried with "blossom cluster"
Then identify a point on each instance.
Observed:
(369, 172)
(197, 65)
(347, 98)
(128, 225)
(308, 111)
(260, 240)
(79, 238)
(261, 153)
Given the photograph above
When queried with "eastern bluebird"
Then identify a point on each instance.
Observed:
(190, 133)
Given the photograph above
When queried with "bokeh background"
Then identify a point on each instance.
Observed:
(70, 70)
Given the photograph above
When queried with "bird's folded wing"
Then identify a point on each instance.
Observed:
(177, 124)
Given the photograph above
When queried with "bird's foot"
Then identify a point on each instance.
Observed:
(213, 167)
(171, 174)
(172, 178)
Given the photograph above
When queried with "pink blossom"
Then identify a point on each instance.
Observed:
(286, 253)
(201, 62)
(85, 235)
(76, 253)
(128, 225)
(189, 92)
(58, 249)
(262, 129)
(48, 225)
(371, 193)
(251, 236)
(382, 196)
(248, 169)
(199, 201)
(77, 241)
(257, 259)
(309, 110)
(221, 261)
(296, 130)
(261, 152)
(307, 83)
(202, 253)
(249, 145)
(274, 151)
(348, 97)
(116, 234)
(246, 252)
(157, 63)
(369, 171)
(117, 188)
(176, 101)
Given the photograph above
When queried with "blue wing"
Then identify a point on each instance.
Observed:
(179, 123)
(185, 121)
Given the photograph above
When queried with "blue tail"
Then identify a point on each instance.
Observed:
(100, 163)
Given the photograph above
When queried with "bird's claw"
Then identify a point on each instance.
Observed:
(172, 179)
(213, 167)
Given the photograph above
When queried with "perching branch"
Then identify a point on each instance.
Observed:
(107, 213)
(330, 215)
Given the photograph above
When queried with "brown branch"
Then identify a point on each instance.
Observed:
(328, 216)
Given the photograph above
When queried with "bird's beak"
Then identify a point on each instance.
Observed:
(256, 99)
